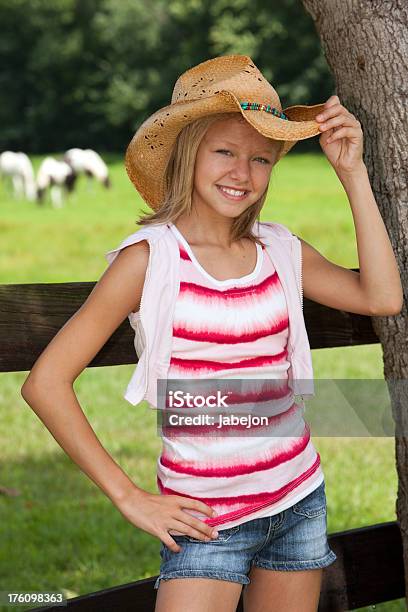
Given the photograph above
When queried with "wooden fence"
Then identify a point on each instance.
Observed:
(369, 568)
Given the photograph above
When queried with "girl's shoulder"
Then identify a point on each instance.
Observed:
(276, 229)
(151, 233)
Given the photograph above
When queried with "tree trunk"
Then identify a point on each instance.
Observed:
(366, 46)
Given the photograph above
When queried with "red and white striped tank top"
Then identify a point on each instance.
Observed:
(236, 328)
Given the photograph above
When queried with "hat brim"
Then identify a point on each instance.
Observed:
(150, 148)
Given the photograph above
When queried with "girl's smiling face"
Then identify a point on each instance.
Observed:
(233, 167)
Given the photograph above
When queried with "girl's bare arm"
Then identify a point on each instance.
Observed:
(48, 390)
(376, 290)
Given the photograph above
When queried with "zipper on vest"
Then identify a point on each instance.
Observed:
(301, 298)
(300, 293)
(143, 327)
(300, 273)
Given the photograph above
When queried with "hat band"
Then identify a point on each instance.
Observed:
(265, 107)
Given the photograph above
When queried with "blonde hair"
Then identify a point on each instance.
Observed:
(179, 179)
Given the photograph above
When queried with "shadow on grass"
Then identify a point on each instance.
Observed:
(62, 534)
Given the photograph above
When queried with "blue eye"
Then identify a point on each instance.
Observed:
(263, 159)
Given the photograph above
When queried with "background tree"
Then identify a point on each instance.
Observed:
(366, 46)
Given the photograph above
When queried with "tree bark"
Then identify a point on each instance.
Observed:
(366, 46)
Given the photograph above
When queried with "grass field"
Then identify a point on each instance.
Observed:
(60, 532)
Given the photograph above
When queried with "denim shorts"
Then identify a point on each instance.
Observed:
(294, 539)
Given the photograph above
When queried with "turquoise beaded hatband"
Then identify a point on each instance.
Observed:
(265, 107)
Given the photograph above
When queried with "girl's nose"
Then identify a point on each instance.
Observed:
(240, 169)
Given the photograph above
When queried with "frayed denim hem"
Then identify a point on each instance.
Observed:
(297, 565)
(230, 576)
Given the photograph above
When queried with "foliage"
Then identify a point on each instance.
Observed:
(88, 72)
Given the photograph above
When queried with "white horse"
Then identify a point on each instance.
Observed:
(18, 167)
(87, 161)
(56, 175)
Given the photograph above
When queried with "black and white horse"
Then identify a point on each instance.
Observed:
(90, 163)
(19, 169)
(57, 176)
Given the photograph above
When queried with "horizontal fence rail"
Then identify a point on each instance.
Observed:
(31, 315)
(369, 570)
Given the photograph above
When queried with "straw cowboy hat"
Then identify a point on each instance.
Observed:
(230, 83)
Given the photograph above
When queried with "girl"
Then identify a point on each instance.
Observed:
(212, 293)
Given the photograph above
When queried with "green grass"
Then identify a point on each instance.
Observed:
(60, 532)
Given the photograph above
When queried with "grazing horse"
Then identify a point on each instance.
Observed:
(18, 167)
(56, 175)
(87, 161)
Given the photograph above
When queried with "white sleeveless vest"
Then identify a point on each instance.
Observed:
(154, 321)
